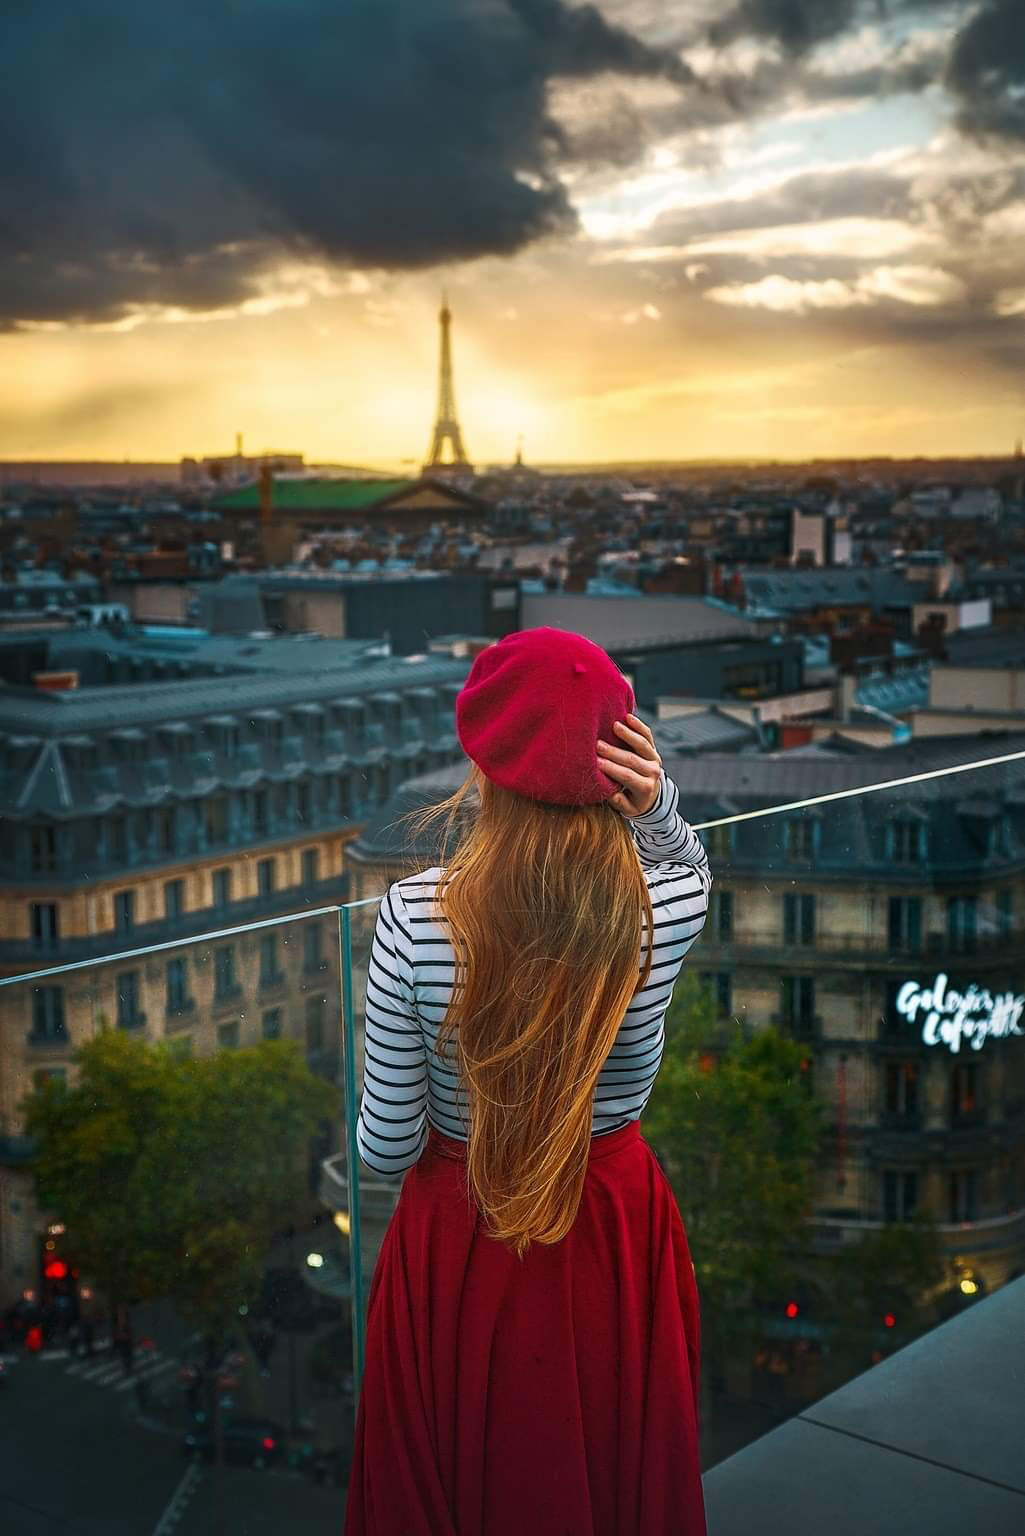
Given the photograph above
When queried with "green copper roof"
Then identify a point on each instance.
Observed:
(309, 495)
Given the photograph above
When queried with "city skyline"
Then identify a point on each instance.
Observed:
(663, 237)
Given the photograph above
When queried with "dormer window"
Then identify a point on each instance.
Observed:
(129, 745)
(309, 720)
(801, 837)
(906, 838)
(984, 824)
(268, 725)
(176, 738)
(223, 735)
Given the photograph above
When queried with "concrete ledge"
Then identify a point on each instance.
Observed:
(929, 1441)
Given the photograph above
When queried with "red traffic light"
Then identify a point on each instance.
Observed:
(268, 1442)
(890, 1320)
(792, 1309)
(55, 1269)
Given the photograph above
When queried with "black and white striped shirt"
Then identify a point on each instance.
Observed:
(409, 985)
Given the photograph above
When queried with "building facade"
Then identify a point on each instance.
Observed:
(886, 933)
(144, 812)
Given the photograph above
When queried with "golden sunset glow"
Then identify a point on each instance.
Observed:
(829, 265)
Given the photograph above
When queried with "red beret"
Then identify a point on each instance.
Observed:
(532, 709)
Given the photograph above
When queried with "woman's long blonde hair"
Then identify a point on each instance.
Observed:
(544, 906)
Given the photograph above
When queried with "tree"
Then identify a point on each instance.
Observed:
(737, 1131)
(172, 1175)
(882, 1288)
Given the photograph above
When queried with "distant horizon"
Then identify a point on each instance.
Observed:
(401, 470)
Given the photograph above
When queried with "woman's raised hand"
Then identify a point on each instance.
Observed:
(635, 764)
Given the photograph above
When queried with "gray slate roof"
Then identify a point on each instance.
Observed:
(852, 830)
(788, 591)
(620, 623)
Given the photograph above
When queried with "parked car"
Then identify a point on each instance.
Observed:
(254, 1442)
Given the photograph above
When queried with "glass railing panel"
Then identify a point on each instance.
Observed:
(178, 1250)
(879, 932)
(872, 931)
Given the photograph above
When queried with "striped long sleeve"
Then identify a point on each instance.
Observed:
(409, 986)
(391, 1129)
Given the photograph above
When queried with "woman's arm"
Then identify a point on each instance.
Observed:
(391, 1128)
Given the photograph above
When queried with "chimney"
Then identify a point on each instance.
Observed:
(844, 695)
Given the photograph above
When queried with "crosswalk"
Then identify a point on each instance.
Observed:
(104, 1369)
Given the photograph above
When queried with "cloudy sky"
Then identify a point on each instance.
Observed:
(668, 228)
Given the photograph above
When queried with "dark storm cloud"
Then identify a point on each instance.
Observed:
(164, 154)
(797, 25)
(986, 72)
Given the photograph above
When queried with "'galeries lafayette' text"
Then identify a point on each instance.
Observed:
(951, 1016)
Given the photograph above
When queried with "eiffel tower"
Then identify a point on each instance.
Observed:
(446, 426)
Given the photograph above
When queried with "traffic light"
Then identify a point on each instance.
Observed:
(792, 1309)
(889, 1321)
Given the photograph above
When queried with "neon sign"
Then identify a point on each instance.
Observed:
(950, 1016)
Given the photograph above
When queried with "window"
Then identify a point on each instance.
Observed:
(314, 1023)
(48, 1013)
(799, 840)
(225, 736)
(222, 887)
(227, 1035)
(961, 926)
(904, 930)
(718, 841)
(724, 916)
(798, 918)
(1005, 912)
(272, 1024)
(117, 839)
(129, 1013)
(902, 1089)
(906, 840)
(174, 900)
(124, 911)
(269, 971)
(216, 818)
(258, 807)
(344, 795)
(167, 827)
(311, 866)
(964, 1091)
(177, 985)
(797, 1004)
(964, 1205)
(265, 877)
(302, 801)
(43, 847)
(722, 981)
(44, 924)
(224, 971)
(900, 1194)
(269, 728)
(313, 957)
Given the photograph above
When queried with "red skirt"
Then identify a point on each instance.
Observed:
(557, 1396)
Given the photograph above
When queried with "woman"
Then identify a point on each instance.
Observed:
(532, 1328)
